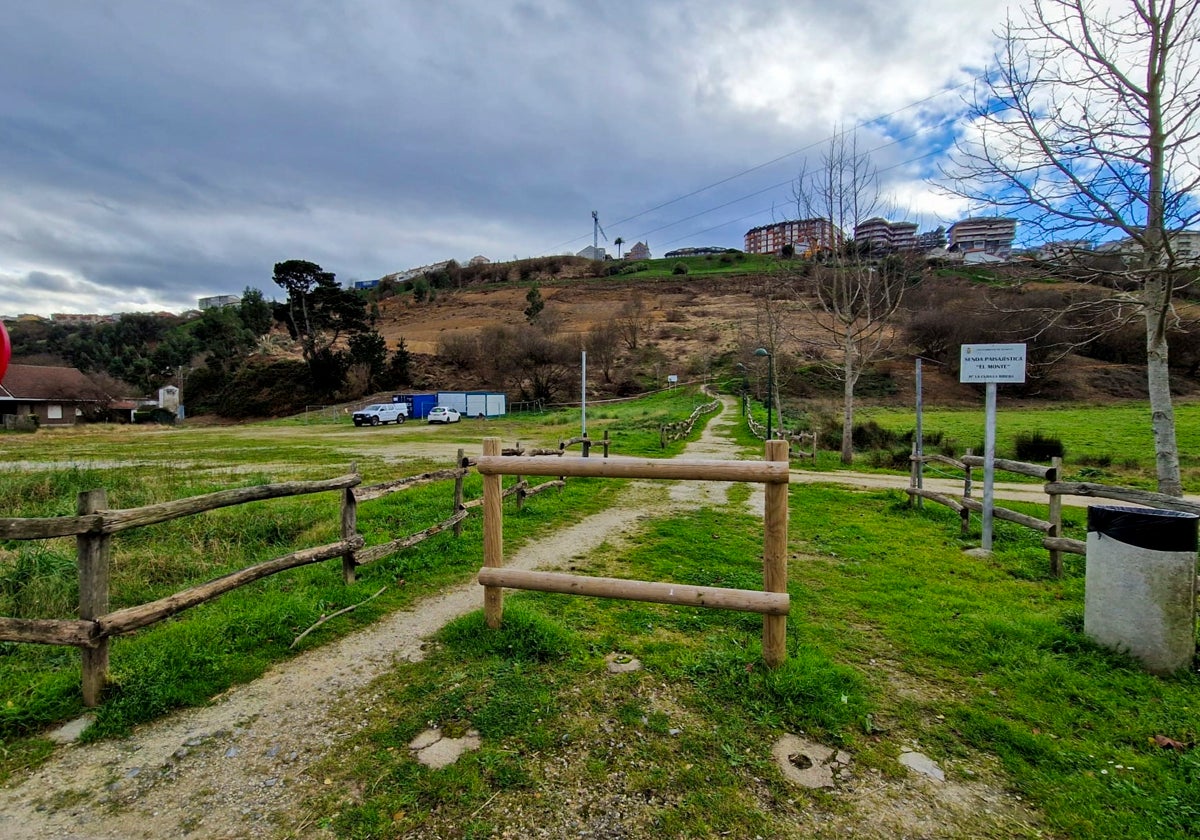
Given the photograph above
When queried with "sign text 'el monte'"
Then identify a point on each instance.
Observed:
(992, 363)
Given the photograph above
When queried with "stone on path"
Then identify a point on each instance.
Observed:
(621, 663)
(809, 764)
(922, 764)
(69, 732)
(435, 751)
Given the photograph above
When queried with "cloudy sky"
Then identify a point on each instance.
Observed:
(152, 153)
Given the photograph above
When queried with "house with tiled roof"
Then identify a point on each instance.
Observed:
(56, 396)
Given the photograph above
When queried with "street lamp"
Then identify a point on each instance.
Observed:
(761, 351)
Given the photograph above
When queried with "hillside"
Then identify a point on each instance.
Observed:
(696, 318)
(702, 324)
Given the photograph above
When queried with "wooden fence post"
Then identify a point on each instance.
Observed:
(493, 536)
(587, 446)
(605, 444)
(92, 553)
(458, 493)
(349, 528)
(965, 515)
(913, 498)
(775, 573)
(1055, 517)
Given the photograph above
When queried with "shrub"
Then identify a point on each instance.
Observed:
(459, 349)
(892, 459)
(871, 435)
(679, 268)
(1035, 446)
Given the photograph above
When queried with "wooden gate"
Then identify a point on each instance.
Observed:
(773, 602)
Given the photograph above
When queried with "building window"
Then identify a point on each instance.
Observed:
(53, 412)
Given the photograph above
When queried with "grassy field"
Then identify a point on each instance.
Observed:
(233, 639)
(895, 638)
(1112, 444)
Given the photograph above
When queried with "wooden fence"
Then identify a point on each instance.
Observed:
(95, 524)
(773, 602)
(668, 432)
(799, 439)
(1051, 528)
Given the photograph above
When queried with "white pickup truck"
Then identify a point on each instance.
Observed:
(381, 413)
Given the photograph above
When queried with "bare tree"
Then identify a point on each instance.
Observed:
(850, 296)
(603, 342)
(632, 320)
(1090, 124)
(773, 304)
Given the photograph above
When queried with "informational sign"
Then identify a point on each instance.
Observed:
(672, 378)
(992, 363)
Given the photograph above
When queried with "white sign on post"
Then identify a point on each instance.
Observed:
(992, 363)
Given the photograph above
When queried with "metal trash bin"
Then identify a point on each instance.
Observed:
(1140, 589)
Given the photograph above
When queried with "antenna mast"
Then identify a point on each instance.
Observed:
(597, 232)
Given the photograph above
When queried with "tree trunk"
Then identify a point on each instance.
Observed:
(849, 376)
(1158, 378)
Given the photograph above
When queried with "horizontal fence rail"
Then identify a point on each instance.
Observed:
(95, 524)
(773, 602)
(766, 472)
(1054, 488)
(114, 521)
(686, 595)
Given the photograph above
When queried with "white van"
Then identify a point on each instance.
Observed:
(381, 413)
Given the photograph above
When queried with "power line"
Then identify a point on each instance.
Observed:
(770, 209)
(785, 156)
(792, 180)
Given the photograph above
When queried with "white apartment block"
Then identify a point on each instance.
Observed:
(991, 235)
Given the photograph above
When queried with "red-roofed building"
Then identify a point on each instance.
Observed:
(55, 395)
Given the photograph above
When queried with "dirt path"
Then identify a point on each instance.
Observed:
(232, 768)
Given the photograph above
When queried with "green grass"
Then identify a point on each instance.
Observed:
(704, 265)
(894, 637)
(208, 648)
(1109, 444)
(990, 654)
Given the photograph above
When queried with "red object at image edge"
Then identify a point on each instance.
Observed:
(5, 351)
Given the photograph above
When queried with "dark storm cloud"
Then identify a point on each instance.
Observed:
(161, 152)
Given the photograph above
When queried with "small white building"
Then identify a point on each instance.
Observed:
(219, 301)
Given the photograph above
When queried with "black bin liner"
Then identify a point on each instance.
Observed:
(1150, 528)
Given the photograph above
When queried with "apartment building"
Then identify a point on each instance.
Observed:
(992, 235)
(806, 236)
(882, 235)
(1185, 244)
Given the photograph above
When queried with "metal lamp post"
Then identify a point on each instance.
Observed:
(745, 385)
(762, 351)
